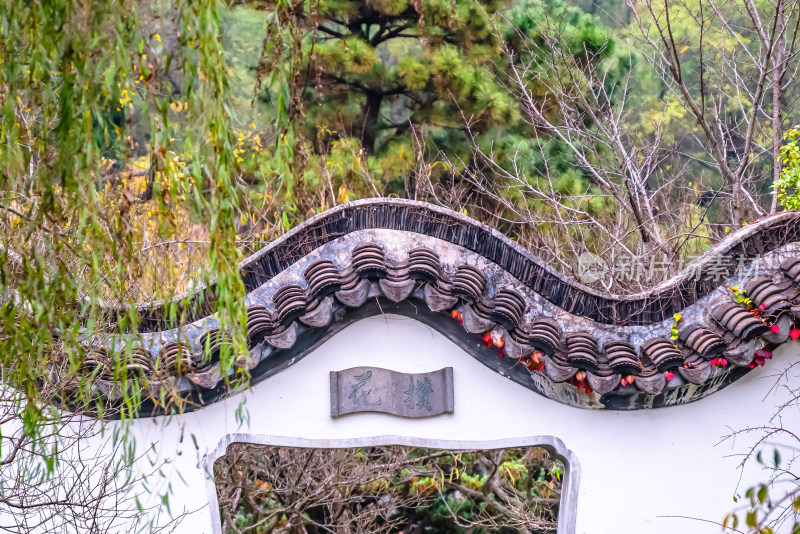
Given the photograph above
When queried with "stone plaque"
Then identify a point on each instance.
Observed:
(372, 389)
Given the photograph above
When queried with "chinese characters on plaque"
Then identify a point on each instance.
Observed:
(372, 389)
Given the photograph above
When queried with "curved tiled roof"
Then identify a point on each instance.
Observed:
(426, 219)
(558, 337)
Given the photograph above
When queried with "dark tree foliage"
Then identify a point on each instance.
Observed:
(391, 81)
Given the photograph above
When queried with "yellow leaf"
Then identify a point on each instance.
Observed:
(342, 194)
(684, 49)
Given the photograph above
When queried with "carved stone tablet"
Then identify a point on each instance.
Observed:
(372, 389)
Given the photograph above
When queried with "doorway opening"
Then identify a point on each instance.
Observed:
(391, 489)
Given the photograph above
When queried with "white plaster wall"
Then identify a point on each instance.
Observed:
(639, 470)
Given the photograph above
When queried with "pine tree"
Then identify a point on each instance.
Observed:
(371, 70)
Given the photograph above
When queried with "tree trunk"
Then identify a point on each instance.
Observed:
(369, 130)
(778, 71)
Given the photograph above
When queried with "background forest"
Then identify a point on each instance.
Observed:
(641, 132)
